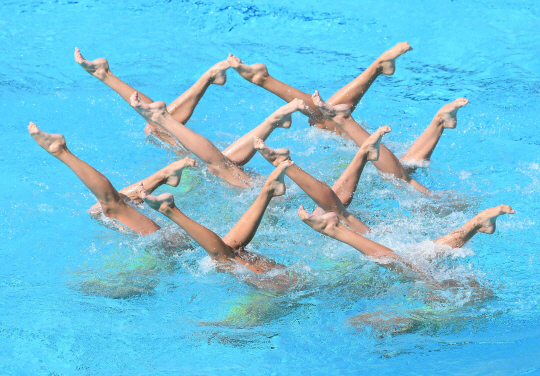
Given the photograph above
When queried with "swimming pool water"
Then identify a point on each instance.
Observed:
(78, 298)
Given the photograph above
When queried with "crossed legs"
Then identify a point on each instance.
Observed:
(325, 197)
(350, 94)
(112, 204)
(328, 224)
(181, 108)
(231, 248)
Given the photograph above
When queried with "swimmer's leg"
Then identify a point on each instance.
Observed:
(111, 202)
(346, 184)
(241, 151)
(352, 93)
(387, 163)
(99, 68)
(445, 118)
(328, 224)
(211, 243)
(244, 230)
(217, 163)
(484, 222)
(182, 107)
(319, 192)
(170, 175)
(258, 75)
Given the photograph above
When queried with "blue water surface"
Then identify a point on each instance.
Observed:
(78, 298)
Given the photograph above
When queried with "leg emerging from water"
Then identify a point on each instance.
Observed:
(244, 230)
(230, 248)
(445, 118)
(328, 224)
(181, 109)
(350, 94)
(346, 184)
(319, 192)
(387, 163)
(484, 222)
(241, 151)
(111, 202)
(170, 175)
(217, 163)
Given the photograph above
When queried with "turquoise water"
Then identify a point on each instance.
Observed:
(78, 298)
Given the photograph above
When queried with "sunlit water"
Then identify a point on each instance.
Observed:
(79, 298)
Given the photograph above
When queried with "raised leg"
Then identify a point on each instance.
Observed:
(244, 230)
(484, 222)
(346, 184)
(111, 202)
(387, 163)
(99, 68)
(352, 93)
(217, 163)
(319, 192)
(170, 175)
(328, 224)
(258, 75)
(241, 151)
(445, 118)
(182, 107)
(212, 244)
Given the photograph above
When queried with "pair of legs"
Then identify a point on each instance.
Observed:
(329, 224)
(332, 115)
(230, 249)
(167, 123)
(110, 201)
(337, 198)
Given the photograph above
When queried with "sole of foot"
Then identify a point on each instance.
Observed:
(97, 68)
(323, 223)
(52, 143)
(162, 203)
(218, 73)
(256, 73)
(371, 147)
(173, 172)
(153, 112)
(276, 180)
(331, 112)
(387, 61)
(447, 115)
(487, 219)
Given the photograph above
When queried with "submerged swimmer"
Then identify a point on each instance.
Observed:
(332, 115)
(168, 122)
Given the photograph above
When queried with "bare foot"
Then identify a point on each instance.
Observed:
(281, 118)
(52, 143)
(371, 147)
(173, 172)
(386, 63)
(337, 112)
(447, 115)
(275, 182)
(218, 73)
(274, 156)
(97, 68)
(151, 112)
(256, 73)
(326, 223)
(162, 203)
(486, 220)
